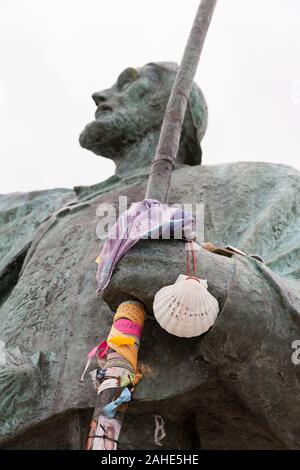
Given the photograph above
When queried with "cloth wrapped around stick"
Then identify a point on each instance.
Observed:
(145, 219)
(118, 377)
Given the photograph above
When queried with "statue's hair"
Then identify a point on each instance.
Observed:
(196, 116)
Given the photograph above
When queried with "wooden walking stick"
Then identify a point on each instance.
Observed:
(119, 376)
(121, 365)
(164, 160)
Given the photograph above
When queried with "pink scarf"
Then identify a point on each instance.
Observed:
(143, 220)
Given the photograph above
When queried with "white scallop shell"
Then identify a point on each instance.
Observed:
(186, 308)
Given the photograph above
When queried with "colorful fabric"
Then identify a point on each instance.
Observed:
(128, 327)
(124, 336)
(111, 408)
(126, 379)
(115, 360)
(100, 351)
(132, 311)
(104, 434)
(126, 346)
(121, 340)
(143, 220)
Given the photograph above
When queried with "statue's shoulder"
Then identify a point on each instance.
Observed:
(254, 178)
(254, 206)
(20, 215)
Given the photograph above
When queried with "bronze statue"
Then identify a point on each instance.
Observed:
(234, 387)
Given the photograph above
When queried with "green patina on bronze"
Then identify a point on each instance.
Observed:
(129, 116)
(236, 385)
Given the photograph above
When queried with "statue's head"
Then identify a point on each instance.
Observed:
(134, 108)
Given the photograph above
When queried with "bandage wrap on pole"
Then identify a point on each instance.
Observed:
(119, 374)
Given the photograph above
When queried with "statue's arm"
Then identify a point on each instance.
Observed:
(153, 264)
(250, 346)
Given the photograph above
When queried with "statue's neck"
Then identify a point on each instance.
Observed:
(136, 158)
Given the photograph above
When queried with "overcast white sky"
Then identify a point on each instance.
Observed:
(55, 53)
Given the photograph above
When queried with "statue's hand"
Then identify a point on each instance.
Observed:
(153, 264)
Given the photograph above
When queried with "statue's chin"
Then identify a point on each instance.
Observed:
(93, 136)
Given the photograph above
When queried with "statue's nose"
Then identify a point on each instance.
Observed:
(99, 97)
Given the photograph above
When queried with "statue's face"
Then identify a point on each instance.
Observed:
(127, 111)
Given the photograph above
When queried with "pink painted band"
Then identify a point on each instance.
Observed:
(128, 327)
